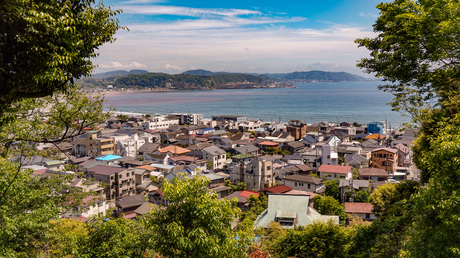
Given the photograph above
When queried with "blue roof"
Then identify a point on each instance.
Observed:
(109, 157)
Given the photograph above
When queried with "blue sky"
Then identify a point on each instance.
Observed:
(239, 36)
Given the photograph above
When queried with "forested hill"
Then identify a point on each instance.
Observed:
(320, 76)
(187, 81)
(199, 79)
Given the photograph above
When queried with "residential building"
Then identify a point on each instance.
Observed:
(330, 172)
(375, 127)
(160, 123)
(374, 174)
(119, 181)
(385, 158)
(238, 119)
(259, 174)
(291, 211)
(93, 144)
(216, 155)
(360, 209)
(300, 182)
(297, 128)
(188, 118)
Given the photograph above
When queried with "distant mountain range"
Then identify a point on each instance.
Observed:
(118, 73)
(308, 76)
(294, 76)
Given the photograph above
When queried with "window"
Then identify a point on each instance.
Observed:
(308, 186)
(368, 216)
(120, 176)
(132, 173)
(295, 183)
(127, 174)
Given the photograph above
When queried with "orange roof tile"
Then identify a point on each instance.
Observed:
(277, 189)
(247, 194)
(358, 207)
(176, 150)
(375, 136)
(334, 169)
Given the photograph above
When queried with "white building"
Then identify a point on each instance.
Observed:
(128, 146)
(259, 174)
(160, 123)
(216, 155)
(188, 118)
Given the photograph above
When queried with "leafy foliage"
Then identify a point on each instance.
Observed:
(329, 206)
(195, 223)
(45, 45)
(332, 189)
(416, 49)
(317, 240)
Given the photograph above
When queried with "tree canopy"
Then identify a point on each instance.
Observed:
(417, 50)
(45, 44)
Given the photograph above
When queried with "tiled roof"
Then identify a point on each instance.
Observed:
(105, 170)
(386, 149)
(277, 189)
(372, 172)
(267, 143)
(306, 179)
(131, 201)
(176, 150)
(375, 136)
(247, 194)
(358, 207)
(334, 169)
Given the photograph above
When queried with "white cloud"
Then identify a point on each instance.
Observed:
(119, 65)
(184, 11)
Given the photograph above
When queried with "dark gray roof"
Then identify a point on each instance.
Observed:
(105, 170)
(131, 201)
(246, 149)
(306, 179)
(145, 208)
(148, 147)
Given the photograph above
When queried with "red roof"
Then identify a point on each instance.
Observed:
(277, 189)
(334, 169)
(358, 207)
(268, 143)
(247, 194)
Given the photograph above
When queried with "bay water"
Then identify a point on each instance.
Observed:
(360, 102)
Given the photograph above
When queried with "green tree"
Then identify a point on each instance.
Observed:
(329, 206)
(317, 240)
(45, 45)
(195, 223)
(436, 210)
(416, 49)
(27, 204)
(332, 189)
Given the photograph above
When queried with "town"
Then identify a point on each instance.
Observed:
(123, 162)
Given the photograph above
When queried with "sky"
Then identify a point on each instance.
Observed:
(250, 36)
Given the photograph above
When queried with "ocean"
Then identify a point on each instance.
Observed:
(358, 102)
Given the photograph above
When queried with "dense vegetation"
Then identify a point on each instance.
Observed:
(416, 48)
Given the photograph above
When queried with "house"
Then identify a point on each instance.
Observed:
(330, 172)
(267, 144)
(329, 155)
(148, 147)
(174, 150)
(404, 154)
(356, 160)
(127, 205)
(259, 174)
(301, 182)
(158, 158)
(119, 181)
(360, 209)
(276, 189)
(346, 185)
(374, 174)
(297, 128)
(216, 155)
(290, 211)
(157, 197)
(293, 147)
(90, 206)
(93, 144)
(385, 158)
(243, 198)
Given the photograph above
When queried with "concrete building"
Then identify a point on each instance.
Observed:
(297, 128)
(259, 174)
